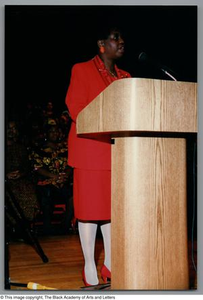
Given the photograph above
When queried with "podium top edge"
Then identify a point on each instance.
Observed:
(154, 79)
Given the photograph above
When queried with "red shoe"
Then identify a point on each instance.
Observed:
(105, 274)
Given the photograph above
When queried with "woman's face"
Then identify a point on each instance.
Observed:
(12, 131)
(114, 45)
(53, 134)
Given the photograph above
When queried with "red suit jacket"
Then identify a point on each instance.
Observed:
(88, 80)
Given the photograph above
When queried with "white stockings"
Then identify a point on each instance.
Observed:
(87, 233)
(106, 233)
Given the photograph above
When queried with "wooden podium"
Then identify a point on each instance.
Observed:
(149, 121)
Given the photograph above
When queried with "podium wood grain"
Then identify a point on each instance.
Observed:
(149, 224)
(135, 104)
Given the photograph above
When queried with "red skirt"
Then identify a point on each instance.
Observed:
(92, 194)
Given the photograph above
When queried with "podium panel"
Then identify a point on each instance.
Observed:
(147, 118)
(141, 105)
(149, 216)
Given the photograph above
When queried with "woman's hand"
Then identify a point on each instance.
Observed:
(14, 175)
(57, 178)
(62, 177)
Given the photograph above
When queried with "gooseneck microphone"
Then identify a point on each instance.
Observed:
(144, 58)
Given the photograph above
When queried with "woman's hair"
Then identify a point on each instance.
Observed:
(48, 127)
(104, 31)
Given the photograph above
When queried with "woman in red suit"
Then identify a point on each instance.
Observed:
(91, 159)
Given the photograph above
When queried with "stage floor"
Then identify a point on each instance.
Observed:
(64, 269)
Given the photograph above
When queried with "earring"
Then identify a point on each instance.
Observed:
(102, 49)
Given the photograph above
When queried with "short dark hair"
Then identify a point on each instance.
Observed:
(104, 31)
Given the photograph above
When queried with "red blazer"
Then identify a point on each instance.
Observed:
(88, 80)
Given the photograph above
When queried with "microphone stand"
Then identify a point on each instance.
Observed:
(13, 209)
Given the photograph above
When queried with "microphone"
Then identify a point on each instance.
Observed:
(143, 57)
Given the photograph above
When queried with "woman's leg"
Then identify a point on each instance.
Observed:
(87, 233)
(106, 233)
